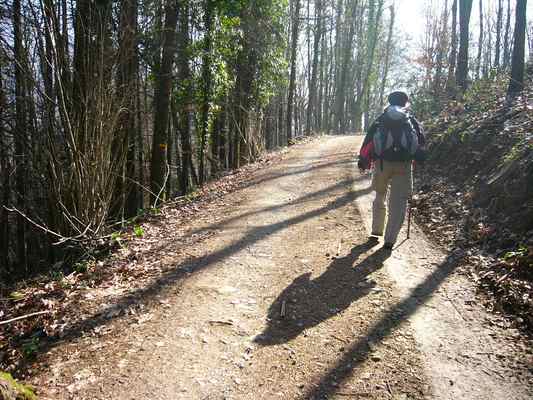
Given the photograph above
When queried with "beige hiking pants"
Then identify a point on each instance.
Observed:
(399, 176)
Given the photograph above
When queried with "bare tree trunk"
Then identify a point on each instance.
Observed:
(387, 58)
(139, 141)
(480, 43)
(336, 59)
(126, 192)
(5, 237)
(450, 83)
(207, 84)
(487, 63)
(292, 78)
(516, 84)
(499, 21)
(311, 105)
(245, 70)
(84, 31)
(441, 47)
(374, 19)
(344, 61)
(223, 135)
(329, 87)
(309, 65)
(169, 187)
(184, 82)
(20, 137)
(461, 75)
(47, 60)
(321, 86)
(506, 44)
(162, 97)
(280, 120)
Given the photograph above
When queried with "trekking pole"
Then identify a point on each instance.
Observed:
(409, 209)
(410, 206)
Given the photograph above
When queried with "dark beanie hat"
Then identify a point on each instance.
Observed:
(398, 99)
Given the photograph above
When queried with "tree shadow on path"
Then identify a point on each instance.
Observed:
(309, 302)
(184, 269)
(392, 319)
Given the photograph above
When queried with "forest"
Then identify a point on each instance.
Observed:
(182, 216)
(108, 109)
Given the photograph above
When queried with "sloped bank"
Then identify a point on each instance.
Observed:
(476, 192)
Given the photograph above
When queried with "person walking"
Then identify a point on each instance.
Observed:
(391, 144)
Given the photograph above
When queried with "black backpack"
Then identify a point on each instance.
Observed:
(395, 138)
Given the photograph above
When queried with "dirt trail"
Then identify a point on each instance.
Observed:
(357, 322)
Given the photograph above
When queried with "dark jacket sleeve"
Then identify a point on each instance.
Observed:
(420, 155)
(419, 131)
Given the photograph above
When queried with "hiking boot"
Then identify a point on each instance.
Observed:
(388, 246)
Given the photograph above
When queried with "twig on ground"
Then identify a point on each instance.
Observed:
(454, 306)
(389, 389)
(23, 317)
(219, 322)
(339, 339)
(283, 309)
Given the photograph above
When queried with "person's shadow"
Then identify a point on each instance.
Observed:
(306, 303)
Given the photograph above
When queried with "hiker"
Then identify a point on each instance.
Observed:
(391, 144)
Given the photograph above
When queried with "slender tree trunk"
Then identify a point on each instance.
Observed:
(223, 135)
(323, 55)
(516, 84)
(65, 42)
(309, 63)
(292, 78)
(5, 237)
(487, 64)
(499, 21)
(20, 137)
(163, 84)
(330, 88)
(450, 83)
(461, 75)
(373, 28)
(344, 60)
(480, 43)
(84, 61)
(184, 82)
(127, 192)
(207, 84)
(281, 120)
(441, 34)
(217, 148)
(47, 60)
(169, 187)
(387, 59)
(336, 64)
(311, 105)
(139, 141)
(245, 70)
(506, 44)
